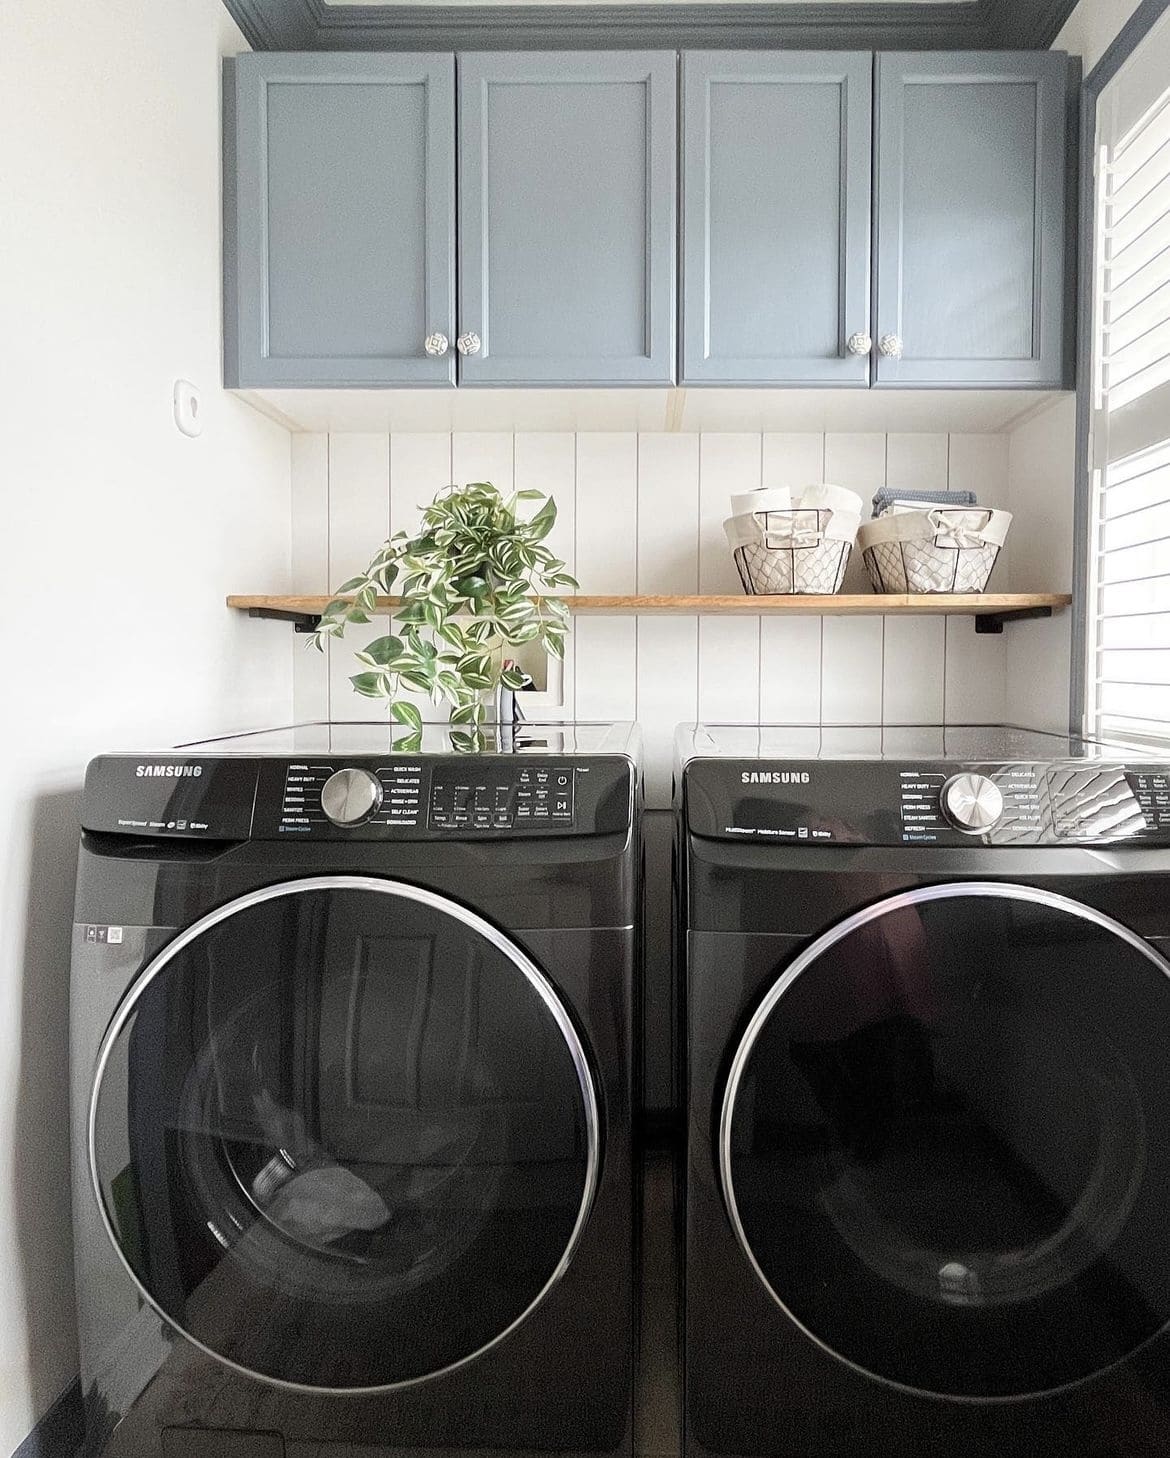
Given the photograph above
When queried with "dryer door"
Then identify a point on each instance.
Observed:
(344, 1134)
(945, 1141)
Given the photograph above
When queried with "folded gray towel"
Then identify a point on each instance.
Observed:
(885, 497)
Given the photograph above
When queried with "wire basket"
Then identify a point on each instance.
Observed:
(942, 550)
(786, 542)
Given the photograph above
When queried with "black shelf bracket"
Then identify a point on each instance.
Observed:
(302, 622)
(993, 622)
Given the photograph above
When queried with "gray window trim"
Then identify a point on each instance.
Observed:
(1128, 39)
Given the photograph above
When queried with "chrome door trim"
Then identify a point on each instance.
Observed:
(434, 902)
(1009, 891)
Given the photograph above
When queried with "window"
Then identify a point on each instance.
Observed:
(1128, 640)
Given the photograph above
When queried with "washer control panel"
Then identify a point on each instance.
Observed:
(472, 794)
(318, 795)
(365, 797)
(887, 802)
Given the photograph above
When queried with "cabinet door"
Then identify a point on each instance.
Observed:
(567, 217)
(971, 218)
(776, 217)
(339, 245)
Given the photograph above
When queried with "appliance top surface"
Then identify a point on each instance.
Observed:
(342, 738)
(980, 743)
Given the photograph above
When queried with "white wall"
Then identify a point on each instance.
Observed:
(643, 513)
(1040, 485)
(120, 537)
(1091, 28)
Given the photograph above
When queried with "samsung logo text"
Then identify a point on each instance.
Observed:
(168, 771)
(774, 777)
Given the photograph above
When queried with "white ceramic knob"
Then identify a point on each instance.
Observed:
(437, 343)
(972, 803)
(350, 796)
(859, 343)
(468, 343)
(890, 346)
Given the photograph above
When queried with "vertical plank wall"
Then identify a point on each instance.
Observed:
(644, 513)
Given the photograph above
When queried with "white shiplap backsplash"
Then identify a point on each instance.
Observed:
(644, 513)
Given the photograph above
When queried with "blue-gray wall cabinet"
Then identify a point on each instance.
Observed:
(971, 221)
(339, 227)
(567, 183)
(776, 177)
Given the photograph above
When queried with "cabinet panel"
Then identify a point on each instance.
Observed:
(776, 216)
(971, 155)
(340, 226)
(567, 217)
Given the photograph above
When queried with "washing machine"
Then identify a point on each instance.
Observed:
(353, 1068)
(927, 1168)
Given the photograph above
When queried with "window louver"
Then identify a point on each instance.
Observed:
(1129, 600)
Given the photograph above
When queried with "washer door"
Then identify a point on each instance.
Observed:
(343, 1134)
(945, 1141)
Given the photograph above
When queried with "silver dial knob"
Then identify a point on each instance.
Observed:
(436, 344)
(350, 796)
(972, 803)
(890, 346)
(859, 343)
(468, 343)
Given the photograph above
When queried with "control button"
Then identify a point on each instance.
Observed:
(351, 796)
(972, 803)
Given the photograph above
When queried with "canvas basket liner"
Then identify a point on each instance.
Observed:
(945, 549)
(793, 539)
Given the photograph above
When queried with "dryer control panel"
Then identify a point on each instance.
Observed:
(928, 802)
(395, 797)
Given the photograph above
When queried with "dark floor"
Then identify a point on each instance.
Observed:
(656, 1413)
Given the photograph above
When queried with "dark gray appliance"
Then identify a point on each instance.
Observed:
(352, 1081)
(927, 1168)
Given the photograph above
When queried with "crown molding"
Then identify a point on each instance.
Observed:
(313, 25)
(276, 25)
(1026, 25)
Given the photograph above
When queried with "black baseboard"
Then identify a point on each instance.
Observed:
(61, 1432)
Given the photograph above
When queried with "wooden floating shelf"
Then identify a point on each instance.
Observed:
(990, 610)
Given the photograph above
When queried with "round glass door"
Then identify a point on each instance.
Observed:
(945, 1141)
(343, 1134)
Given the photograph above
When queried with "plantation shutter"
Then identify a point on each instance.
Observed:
(1128, 678)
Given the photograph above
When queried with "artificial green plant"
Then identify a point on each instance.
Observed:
(474, 581)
